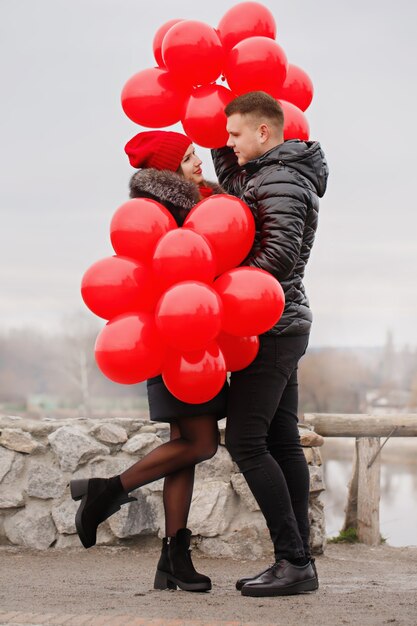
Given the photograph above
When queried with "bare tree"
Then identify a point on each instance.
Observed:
(332, 380)
(76, 358)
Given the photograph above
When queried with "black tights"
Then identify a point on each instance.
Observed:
(193, 439)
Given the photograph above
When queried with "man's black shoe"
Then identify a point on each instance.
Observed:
(282, 579)
(249, 579)
(313, 565)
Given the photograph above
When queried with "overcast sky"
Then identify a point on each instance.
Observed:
(63, 171)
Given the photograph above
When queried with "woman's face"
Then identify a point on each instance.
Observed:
(191, 166)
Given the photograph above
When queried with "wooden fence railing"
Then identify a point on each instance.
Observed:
(362, 509)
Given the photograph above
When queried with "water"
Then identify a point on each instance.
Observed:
(398, 504)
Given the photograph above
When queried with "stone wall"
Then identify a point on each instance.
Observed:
(39, 458)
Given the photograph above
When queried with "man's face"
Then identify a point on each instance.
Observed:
(244, 137)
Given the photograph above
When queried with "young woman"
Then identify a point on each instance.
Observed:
(170, 173)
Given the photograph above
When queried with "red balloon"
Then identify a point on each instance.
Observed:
(228, 224)
(137, 226)
(256, 64)
(195, 377)
(204, 119)
(246, 19)
(295, 122)
(158, 38)
(253, 300)
(189, 315)
(117, 285)
(297, 88)
(193, 53)
(181, 255)
(239, 352)
(152, 98)
(129, 349)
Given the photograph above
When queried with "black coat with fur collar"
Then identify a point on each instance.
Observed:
(172, 190)
(178, 195)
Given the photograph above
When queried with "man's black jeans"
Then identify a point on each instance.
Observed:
(262, 437)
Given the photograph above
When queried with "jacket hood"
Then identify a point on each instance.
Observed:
(306, 157)
(164, 186)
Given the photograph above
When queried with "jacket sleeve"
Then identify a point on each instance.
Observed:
(281, 211)
(229, 173)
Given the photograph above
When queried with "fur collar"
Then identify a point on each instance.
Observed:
(215, 186)
(164, 186)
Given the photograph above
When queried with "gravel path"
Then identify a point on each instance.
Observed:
(113, 586)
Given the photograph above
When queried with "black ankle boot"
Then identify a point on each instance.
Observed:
(163, 563)
(175, 567)
(100, 498)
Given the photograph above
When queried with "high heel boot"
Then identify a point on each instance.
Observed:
(100, 498)
(175, 567)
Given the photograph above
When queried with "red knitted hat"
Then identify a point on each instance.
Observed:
(160, 149)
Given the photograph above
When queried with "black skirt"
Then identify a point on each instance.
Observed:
(164, 407)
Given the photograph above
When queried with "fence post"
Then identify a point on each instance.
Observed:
(369, 471)
(351, 510)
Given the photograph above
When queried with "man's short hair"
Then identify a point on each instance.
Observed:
(258, 105)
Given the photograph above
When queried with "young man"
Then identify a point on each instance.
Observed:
(281, 182)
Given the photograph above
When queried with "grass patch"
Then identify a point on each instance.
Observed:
(350, 535)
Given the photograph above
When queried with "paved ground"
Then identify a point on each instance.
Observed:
(113, 586)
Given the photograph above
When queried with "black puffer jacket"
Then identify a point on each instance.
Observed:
(282, 188)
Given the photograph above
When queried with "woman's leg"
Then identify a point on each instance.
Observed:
(198, 441)
(178, 491)
(101, 497)
(175, 566)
